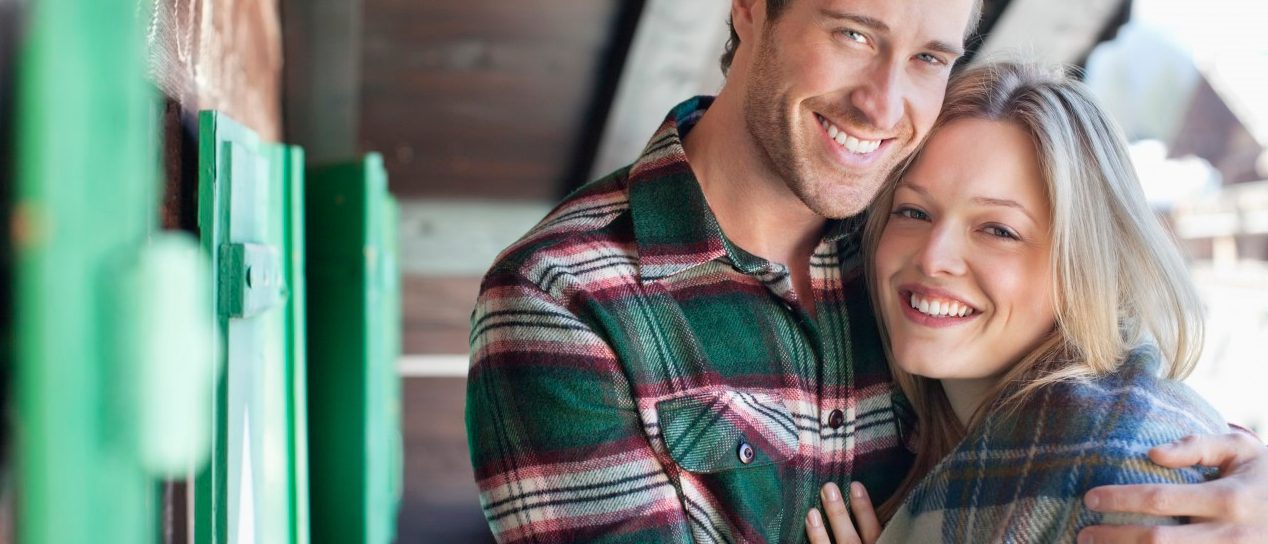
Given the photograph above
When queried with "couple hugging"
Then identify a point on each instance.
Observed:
(856, 295)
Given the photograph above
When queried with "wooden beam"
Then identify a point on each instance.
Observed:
(674, 57)
(322, 77)
(1047, 31)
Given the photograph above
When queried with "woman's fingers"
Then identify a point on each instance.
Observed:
(815, 529)
(869, 526)
(838, 515)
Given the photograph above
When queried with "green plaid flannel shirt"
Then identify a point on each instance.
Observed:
(636, 377)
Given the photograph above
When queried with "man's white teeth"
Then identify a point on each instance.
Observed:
(850, 143)
(939, 308)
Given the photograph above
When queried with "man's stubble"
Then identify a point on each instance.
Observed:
(827, 190)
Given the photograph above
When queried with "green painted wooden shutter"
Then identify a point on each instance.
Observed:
(354, 339)
(250, 215)
(111, 315)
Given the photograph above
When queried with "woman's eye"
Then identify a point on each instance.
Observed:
(1002, 232)
(911, 213)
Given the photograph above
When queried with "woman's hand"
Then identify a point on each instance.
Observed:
(868, 527)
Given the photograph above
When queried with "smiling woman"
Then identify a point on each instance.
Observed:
(963, 266)
(1031, 304)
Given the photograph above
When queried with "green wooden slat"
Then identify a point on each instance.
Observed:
(391, 330)
(291, 162)
(249, 193)
(86, 194)
(353, 317)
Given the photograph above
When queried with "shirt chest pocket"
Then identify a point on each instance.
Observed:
(726, 430)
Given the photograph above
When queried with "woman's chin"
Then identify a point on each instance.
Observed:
(922, 367)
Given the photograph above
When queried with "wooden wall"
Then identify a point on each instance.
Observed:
(486, 98)
(211, 54)
(220, 54)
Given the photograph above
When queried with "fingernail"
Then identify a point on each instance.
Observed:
(1091, 501)
(1085, 538)
(856, 490)
(813, 518)
(831, 493)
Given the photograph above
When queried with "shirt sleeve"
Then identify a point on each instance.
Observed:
(1021, 475)
(1132, 420)
(556, 442)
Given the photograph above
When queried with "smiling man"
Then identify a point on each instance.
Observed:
(684, 350)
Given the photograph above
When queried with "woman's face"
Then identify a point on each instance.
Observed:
(963, 267)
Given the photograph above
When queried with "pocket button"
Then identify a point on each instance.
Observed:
(746, 453)
(836, 419)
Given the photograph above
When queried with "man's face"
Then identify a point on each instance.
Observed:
(839, 91)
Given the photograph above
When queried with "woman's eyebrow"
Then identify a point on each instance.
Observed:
(1004, 202)
(986, 201)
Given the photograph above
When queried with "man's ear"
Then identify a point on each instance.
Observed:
(743, 19)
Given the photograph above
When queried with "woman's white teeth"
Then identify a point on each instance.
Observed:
(850, 143)
(939, 308)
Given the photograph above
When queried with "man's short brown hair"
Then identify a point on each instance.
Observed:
(775, 7)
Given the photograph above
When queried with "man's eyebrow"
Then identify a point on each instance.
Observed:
(878, 25)
(870, 22)
(945, 48)
(979, 200)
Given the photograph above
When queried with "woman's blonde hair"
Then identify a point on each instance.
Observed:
(1119, 279)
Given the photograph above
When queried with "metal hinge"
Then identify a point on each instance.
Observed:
(251, 280)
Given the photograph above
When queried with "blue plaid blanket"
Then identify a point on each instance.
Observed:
(1020, 476)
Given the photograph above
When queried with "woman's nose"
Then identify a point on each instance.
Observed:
(942, 253)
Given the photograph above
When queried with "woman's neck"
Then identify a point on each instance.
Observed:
(966, 395)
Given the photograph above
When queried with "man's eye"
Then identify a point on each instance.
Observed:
(854, 36)
(930, 59)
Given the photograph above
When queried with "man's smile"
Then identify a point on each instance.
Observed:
(851, 143)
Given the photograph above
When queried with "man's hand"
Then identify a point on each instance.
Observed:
(1233, 508)
(843, 530)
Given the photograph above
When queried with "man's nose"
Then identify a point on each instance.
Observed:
(942, 253)
(879, 95)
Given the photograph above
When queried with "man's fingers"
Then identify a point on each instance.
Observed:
(815, 528)
(869, 526)
(1201, 532)
(1228, 509)
(1210, 450)
(1133, 534)
(838, 515)
(1196, 500)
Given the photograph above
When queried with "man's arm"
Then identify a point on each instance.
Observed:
(1233, 508)
(556, 442)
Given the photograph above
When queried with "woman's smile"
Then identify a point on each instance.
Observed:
(964, 257)
(932, 307)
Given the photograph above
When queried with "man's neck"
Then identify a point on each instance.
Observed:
(754, 207)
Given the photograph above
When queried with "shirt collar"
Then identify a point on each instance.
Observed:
(674, 229)
(673, 226)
